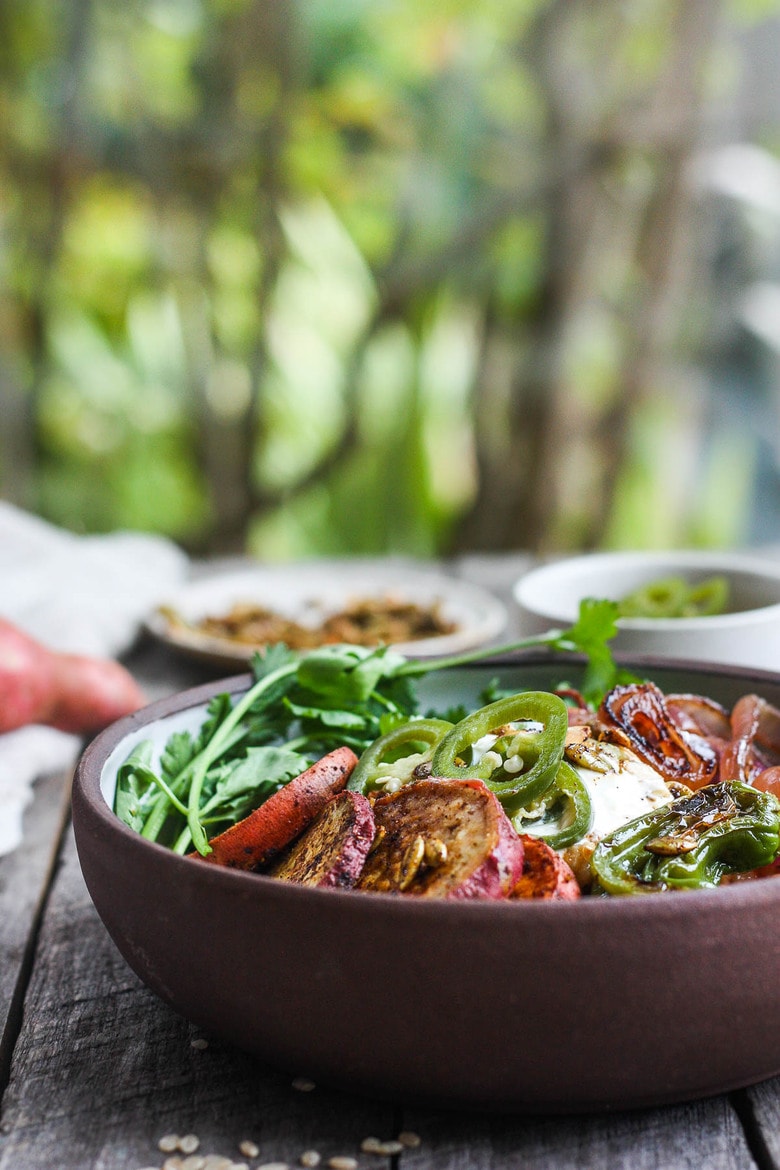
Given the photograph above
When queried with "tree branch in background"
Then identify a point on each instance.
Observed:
(548, 483)
(45, 187)
(257, 45)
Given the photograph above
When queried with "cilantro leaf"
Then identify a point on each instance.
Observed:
(241, 788)
(590, 635)
(265, 662)
(347, 674)
(329, 717)
(132, 786)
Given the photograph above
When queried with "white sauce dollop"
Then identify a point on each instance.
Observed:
(622, 788)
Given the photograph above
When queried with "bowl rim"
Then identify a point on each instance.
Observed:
(89, 797)
(535, 579)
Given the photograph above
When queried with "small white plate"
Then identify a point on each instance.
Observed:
(310, 591)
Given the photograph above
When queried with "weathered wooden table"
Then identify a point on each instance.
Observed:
(95, 1071)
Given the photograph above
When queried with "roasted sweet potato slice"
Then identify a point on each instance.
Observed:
(545, 873)
(443, 839)
(331, 852)
(262, 835)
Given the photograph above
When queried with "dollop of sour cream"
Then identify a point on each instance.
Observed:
(620, 785)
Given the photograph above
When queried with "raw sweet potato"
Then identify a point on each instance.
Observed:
(331, 852)
(67, 691)
(258, 838)
(443, 839)
(545, 873)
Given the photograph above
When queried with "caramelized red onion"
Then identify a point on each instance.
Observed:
(753, 753)
(579, 712)
(693, 740)
(637, 716)
(700, 715)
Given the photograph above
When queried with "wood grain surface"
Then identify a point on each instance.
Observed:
(25, 877)
(102, 1069)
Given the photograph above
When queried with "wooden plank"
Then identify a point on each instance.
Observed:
(706, 1133)
(24, 880)
(103, 1069)
(760, 1111)
(498, 575)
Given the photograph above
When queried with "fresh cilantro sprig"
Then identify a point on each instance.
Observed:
(590, 635)
(297, 709)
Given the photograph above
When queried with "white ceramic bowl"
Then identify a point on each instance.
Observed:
(747, 634)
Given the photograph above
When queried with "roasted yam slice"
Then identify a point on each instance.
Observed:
(331, 852)
(443, 839)
(258, 838)
(545, 874)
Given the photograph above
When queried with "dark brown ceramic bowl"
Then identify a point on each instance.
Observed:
(600, 1003)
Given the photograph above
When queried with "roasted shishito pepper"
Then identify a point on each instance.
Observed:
(692, 843)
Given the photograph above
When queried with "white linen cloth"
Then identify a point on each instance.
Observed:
(76, 594)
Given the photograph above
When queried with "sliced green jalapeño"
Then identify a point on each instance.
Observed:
(418, 738)
(523, 763)
(576, 815)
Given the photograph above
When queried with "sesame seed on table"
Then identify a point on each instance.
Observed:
(97, 1073)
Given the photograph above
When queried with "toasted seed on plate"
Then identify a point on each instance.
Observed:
(172, 1163)
(342, 1162)
(249, 1149)
(189, 1143)
(310, 1158)
(370, 1145)
(168, 1143)
(193, 1162)
(199, 1043)
(274, 1166)
(409, 1139)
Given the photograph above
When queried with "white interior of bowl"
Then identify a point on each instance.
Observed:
(158, 731)
(554, 591)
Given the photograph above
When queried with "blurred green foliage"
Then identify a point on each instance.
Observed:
(278, 275)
